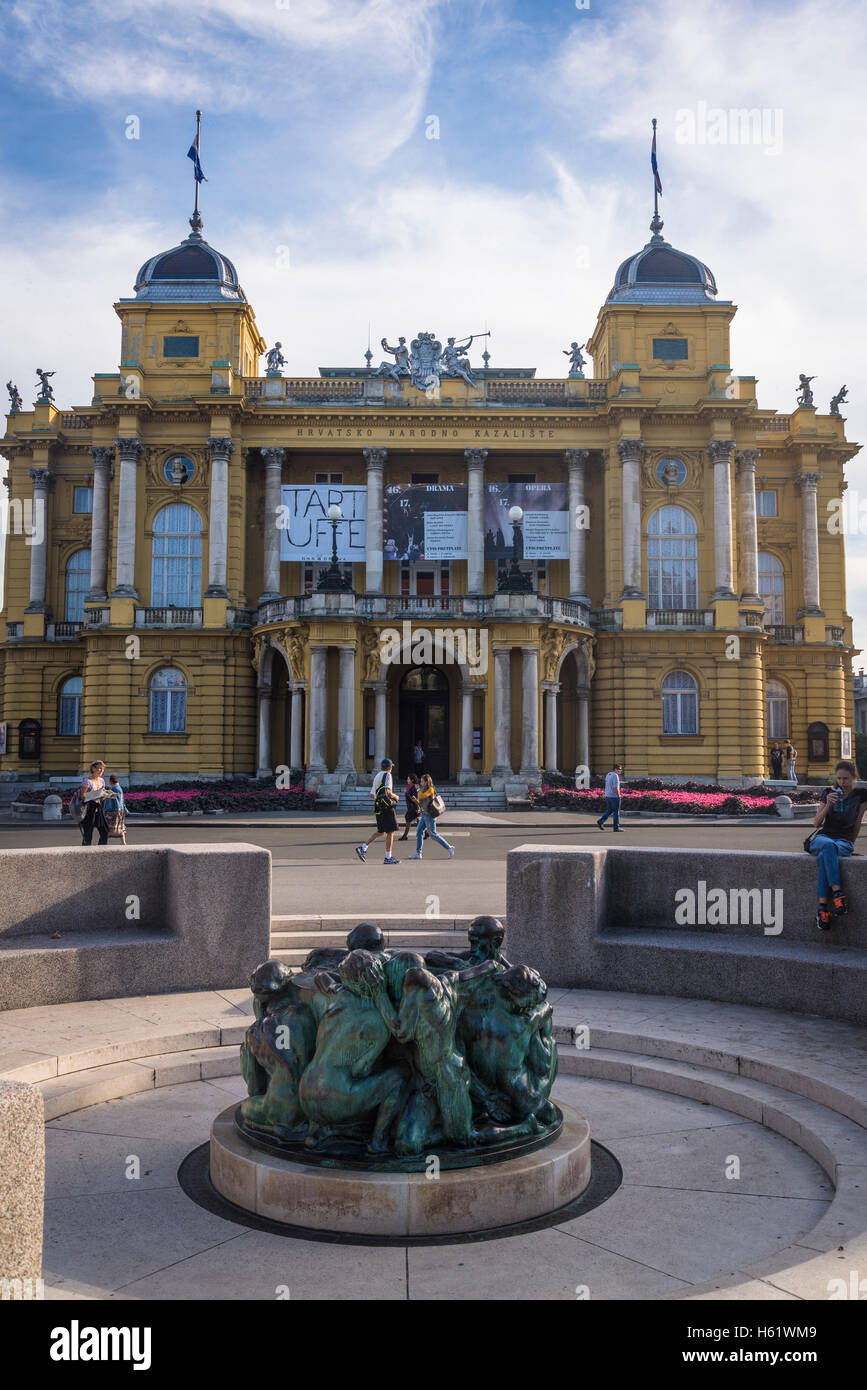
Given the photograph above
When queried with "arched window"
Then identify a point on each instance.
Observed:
(679, 703)
(69, 713)
(176, 559)
(168, 702)
(77, 585)
(672, 559)
(771, 588)
(777, 709)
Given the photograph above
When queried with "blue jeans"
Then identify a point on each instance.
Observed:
(427, 823)
(828, 854)
(612, 804)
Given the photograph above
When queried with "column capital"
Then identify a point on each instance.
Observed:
(747, 459)
(720, 450)
(220, 444)
(630, 450)
(43, 479)
(273, 454)
(576, 458)
(550, 687)
(810, 481)
(102, 454)
(129, 447)
(475, 458)
(374, 458)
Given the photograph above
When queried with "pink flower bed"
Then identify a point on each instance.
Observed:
(691, 803)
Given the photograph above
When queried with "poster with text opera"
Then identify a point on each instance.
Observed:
(425, 521)
(305, 530)
(545, 526)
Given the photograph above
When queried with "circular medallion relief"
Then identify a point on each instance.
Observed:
(671, 471)
(178, 469)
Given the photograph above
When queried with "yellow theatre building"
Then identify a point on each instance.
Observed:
(629, 566)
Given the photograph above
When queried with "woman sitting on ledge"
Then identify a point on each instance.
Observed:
(841, 810)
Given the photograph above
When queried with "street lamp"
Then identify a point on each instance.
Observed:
(331, 581)
(514, 581)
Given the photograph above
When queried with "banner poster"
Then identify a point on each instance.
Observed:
(546, 520)
(425, 521)
(305, 531)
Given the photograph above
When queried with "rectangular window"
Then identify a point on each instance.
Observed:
(670, 349)
(329, 478)
(82, 499)
(180, 347)
(766, 503)
(425, 478)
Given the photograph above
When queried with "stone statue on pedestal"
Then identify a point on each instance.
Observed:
(275, 360)
(805, 393)
(837, 401)
(576, 359)
(46, 391)
(14, 398)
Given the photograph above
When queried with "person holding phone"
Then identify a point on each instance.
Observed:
(838, 820)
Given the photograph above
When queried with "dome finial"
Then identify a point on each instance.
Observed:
(657, 223)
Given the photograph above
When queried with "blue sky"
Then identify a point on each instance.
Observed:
(337, 209)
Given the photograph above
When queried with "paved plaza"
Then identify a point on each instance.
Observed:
(315, 868)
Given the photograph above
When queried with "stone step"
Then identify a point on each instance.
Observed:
(387, 922)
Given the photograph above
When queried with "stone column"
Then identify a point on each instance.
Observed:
(296, 726)
(552, 690)
(264, 769)
(274, 458)
(316, 702)
(379, 723)
(720, 451)
(218, 526)
(466, 773)
(530, 713)
(810, 544)
(43, 482)
(475, 460)
(749, 531)
(129, 450)
(346, 711)
(584, 728)
(102, 455)
(630, 459)
(502, 713)
(375, 460)
(576, 460)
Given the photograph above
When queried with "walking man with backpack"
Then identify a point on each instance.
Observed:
(385, 799)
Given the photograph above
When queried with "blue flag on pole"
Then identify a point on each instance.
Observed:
(657, 180)
(193, 154)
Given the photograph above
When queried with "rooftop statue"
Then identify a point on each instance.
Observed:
(374, 1056)
(453, 364)
(837, 401)
(46, 392)
(576, 359)
(805, 394)
(400, 366)
(275, 359)
(14, 398)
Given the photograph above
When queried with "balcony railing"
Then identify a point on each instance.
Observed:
(567, 610)
(240, 617)
(76, 422)
(836, 635)
(61, 632)
(279, 610)
(335, 390)
(168, 617)
(97, 617)
(422, 606)
(679, 617)
(610, 618)
(777, 422)
(14, 631)
(305, 390)
(784, 632)
(752, 620)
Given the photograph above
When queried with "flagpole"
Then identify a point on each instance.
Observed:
(655, 193)
(199, 149)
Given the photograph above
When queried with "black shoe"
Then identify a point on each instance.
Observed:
(824, 920)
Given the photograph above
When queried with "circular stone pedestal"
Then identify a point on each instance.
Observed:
(456, 1202)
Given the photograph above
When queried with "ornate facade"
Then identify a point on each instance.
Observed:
(696, 611)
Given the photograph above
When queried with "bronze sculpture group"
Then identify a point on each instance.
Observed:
(376, 1054)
